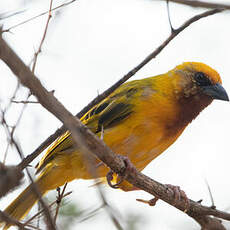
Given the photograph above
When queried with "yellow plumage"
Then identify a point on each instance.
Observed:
(140, 119)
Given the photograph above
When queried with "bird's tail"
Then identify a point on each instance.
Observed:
(25, 201)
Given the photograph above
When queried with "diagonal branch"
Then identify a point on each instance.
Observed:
(88, 142)
(202, 4)
(106, 93)
(37, 16)
(43, 37)
(10, 220)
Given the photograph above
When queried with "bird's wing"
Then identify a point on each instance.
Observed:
(110, 112)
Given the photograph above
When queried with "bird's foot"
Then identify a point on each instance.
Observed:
(151, 202)
(178, 196)
(129, 167)
(109, 178)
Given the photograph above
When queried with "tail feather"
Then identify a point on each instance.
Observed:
(24, 202)
(51, 178)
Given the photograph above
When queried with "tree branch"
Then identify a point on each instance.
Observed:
(88, 142)
(39, 15)
(107, 92)
(201, 4)
(43, 37)
(6, 218)
(10, 177)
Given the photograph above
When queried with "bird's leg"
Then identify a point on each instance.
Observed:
(129, 167)
(178, 195)
(151, 202)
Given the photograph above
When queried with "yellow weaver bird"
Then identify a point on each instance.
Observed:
(140, 120)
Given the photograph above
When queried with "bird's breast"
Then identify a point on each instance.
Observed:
(143, 136)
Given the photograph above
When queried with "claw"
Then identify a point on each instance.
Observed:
(128, 167)
(109, 178)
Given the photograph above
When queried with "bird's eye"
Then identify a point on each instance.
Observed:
(202, 79)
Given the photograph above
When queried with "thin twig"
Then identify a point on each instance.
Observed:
(11, 133)
(90, 214)
(37, 16)
(12, 97)
(108, 207)
(25, 102)
(36, 190)
(3, 114)
(6, 218)
(202, 4)
(41, 211)
(38, 219)
(6, 15)
(169, 18)
(49, 219)
(192, 3)
(59, 199)
(43, 37)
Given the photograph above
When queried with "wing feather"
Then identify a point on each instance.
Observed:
(108, 113)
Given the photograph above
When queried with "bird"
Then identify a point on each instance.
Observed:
(139, 120)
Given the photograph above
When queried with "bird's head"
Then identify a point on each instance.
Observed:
(196, 85)
(195, 79)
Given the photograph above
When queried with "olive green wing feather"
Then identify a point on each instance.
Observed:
(106, 114)
(113, 113)
(62, 143)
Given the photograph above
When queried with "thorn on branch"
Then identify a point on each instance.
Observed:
(169, 18)
(210, 194)
(52, 92)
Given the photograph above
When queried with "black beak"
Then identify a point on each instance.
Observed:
(216, 91)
